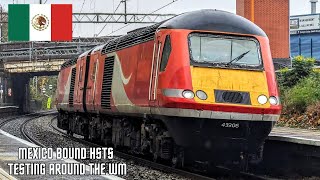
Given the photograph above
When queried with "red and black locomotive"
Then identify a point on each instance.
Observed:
(199, 86)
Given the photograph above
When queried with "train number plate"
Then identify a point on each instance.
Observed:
(230, 125)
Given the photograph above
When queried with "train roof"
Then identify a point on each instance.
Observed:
(206, 20)
(213, 20)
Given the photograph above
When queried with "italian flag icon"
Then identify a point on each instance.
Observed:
(40, 22)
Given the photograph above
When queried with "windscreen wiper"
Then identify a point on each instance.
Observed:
(238, 58)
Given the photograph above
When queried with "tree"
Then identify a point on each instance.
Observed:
(301, 68)
(43, 83)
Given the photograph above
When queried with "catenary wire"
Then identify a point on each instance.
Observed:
(110, 18)
(173, 1)
(80, 12)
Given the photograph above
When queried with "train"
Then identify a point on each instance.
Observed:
(199, 88)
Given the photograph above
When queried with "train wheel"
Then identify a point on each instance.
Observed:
(178, 159)
(70, 132)
(177, 162)
(155, 157)
(244, 162)
(86, 137)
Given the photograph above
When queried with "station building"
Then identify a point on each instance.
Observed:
(301, 38)
(305, 34)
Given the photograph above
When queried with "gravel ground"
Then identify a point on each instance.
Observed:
(6, 118)
(40, 130)
(13, 127)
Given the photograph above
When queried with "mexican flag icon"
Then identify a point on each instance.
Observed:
(40, 22)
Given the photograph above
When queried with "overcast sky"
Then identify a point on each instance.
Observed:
(146, 6)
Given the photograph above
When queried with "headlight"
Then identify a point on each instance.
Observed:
(201, 95)
(273, 100)
(188, 94)
(262, 99)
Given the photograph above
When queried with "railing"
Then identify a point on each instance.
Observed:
(48, 50)
(61, 52)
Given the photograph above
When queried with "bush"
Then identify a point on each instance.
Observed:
(300, 94)
(306, 92)
(301, 68)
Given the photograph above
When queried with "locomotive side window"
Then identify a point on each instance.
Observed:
(215, 50)
(166, 53)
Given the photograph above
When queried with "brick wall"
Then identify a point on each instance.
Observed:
(273, 17)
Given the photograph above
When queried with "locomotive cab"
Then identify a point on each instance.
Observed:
(216, 84)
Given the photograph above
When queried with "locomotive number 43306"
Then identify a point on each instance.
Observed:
(230, 125)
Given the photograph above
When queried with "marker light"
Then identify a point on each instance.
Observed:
(188, 94)
(201, 95)
(273, 100)
(262, 99)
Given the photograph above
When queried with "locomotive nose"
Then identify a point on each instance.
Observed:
(231, 86)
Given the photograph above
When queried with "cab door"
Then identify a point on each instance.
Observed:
(79, 84)
(84, 88)
(153, 93)
(92, 81)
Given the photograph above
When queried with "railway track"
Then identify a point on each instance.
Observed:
(23, 130)
(22, 127)
(162, 167)
(6, 121)
(26, 135)
(225, 173)
(32, 116)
